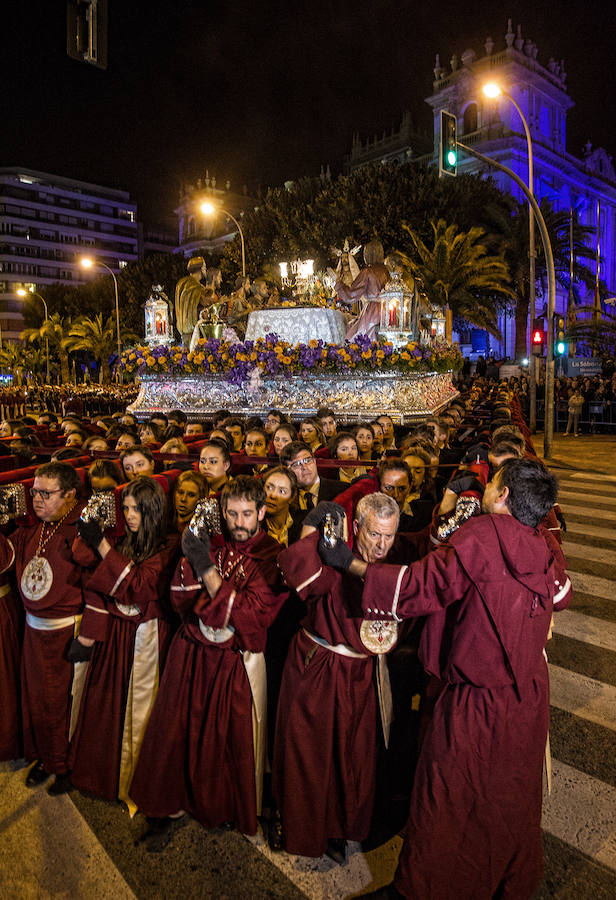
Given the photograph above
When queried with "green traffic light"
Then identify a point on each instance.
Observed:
(560, 348)
(451, 158)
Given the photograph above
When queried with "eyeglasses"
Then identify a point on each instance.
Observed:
(44, 495)
(300, 463)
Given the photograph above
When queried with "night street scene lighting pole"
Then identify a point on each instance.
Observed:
(208, 209)
(88, 263)
(23, 293)
(493, 91)
(548, 426)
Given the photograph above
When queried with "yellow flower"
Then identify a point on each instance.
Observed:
(286, 360)
(366, 354)
(380, 354)
(405, 356)
(210, 358)
(150, 361)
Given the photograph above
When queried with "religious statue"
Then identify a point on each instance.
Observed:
(347, 269)
(366, 287)
(190, 294)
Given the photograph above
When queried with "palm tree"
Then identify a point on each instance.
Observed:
(13, 360)
(56, 330)
(510, 234)
(97, 338)
(458, 272)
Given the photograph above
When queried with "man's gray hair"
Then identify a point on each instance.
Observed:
(381, 505)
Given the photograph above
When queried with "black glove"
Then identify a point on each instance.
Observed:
(340, 556)
(91, 532)
(316, 516)
(78, 652)
(197, 551)
(561, 519)
(466, 483)
(478, 452)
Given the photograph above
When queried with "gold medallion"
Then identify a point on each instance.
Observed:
(37, 578)
(378, 636)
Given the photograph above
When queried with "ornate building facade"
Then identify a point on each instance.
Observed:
(494, 128)
(209, 234)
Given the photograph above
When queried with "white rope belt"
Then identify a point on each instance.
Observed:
(340, 649)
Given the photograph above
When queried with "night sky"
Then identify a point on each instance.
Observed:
(264, 91)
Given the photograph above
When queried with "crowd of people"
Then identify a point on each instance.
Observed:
(366, 599)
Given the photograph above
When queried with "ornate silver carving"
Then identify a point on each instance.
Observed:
(206, 518)
(100, 508)
(12, 502)
(352, 396)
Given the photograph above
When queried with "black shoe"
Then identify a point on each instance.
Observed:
(274, 834)
(37, 775)
(62, 785)
(337, 850)
(160, 831)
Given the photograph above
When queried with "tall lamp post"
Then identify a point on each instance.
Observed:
(89, 263)
(494, 90)
(208, 209)
(23, 293)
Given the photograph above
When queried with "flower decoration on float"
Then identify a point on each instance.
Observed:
(274, 357)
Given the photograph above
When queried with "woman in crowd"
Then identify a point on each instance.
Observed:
(95, 444)
(104, 475)
(150, 434)
(189, 488)
(284, 434)
(214, 465)
(344, 446)
(311, 433)
(126, 622)
(177, 447)
(281, 490)
(364, 435)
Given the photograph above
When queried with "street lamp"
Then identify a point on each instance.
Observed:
(494, 90)
(208, 209)
(88, 263)
(23, 293)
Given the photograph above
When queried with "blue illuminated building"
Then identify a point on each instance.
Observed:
(494, 128)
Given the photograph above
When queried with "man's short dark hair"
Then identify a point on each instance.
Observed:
(532, 489)
(290, 451)
(393, 464)
(324, 411)
(245, 487)
(65, 474)
(178, 414)
(233, 422)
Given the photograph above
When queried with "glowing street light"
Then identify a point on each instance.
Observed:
(23, 293)
(86, 262)
(208, 209)
(493, 90)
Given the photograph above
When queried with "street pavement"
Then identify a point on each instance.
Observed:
(79, 847)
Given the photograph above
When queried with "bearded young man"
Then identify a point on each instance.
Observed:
(204, 748)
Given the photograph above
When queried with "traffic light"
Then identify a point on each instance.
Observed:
(448, 156)
(537, 338)
(86, 31)
(560, 346)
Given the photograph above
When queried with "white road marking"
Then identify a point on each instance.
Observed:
(591, 554)
(582, 812)
(591, 476)
(606, 499)
(590, 630)
(581, 529)
(590, 511)
(584, 697)
(593, 584)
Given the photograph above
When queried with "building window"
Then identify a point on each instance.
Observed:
(122, 263)
(470, 118)
(126, 214)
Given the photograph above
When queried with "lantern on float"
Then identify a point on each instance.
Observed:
(398, 298)
(157, 324)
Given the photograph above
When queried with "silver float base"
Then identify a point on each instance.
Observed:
(353, 397)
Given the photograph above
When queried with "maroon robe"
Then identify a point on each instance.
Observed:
(46, 675)
(120, 597)
(10, 655)
(197, 754)
(475, 817)
(325, 748)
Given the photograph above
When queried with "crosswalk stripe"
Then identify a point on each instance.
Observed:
(582, 529)
(592, 584)
(591, 476)
(590, 511)
(320, 879)
(580, 812)
(588, 553)
(588, 629)
(591, 488)
(583, 696)
(586, 498)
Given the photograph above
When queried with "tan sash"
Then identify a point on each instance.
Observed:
(142, 691)
(254, 663)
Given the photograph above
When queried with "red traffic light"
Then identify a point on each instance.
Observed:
(537, 337)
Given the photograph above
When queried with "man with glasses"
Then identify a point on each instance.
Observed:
(50, 585)
(298, 457)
